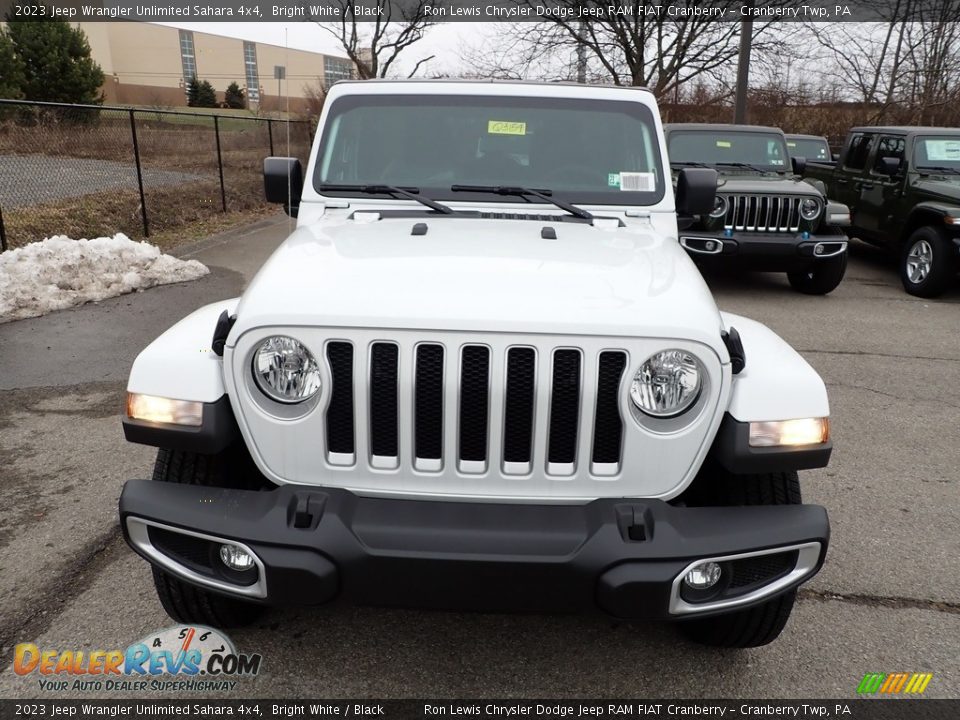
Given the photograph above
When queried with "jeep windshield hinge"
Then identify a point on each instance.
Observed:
(738, 358)
(220, 332)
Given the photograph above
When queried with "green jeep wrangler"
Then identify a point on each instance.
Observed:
(765, 218)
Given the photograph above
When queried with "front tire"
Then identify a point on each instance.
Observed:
(821, 277)
(762, 624)
(926, 265)
(187, 603)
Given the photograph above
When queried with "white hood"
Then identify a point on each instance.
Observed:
(481, 275)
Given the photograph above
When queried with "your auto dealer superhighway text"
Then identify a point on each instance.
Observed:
(686, 710)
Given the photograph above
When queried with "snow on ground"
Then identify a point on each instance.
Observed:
(58, 273)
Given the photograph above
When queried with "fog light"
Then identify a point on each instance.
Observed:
(703, 576)
(236, 558)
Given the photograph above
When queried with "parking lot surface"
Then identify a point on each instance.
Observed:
(888, 599)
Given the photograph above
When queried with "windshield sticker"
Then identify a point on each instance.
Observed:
(636, 181)
(613, 180)
(791, 144)
(943, 150)
(505, 127)
(723, 143)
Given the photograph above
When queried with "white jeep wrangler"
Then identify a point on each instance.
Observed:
(481, 374)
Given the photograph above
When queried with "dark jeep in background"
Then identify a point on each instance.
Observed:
(902, 185)
(765, 218)
(809, 147)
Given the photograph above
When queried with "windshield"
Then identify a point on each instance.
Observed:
(808, 148)
(765, 151)
(939, 152)
(586, 151)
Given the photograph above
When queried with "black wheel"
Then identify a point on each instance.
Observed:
(761, 624)
(821, 277)
(182, 601)
(926, 265)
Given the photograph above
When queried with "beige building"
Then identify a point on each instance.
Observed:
(148, 64)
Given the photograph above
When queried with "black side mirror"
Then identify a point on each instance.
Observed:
(696, 191)
(283, 182)
(799, 164)
(889, 166)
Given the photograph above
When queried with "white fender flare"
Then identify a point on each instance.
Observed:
(776, 382)
(180, 364)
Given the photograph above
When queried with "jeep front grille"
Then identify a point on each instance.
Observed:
(506, 410)
(763, 213)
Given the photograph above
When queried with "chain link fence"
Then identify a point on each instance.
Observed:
(88, 171)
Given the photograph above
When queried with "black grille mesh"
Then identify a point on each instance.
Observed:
(383, 399)
(340, 411)
(608, 427)
(474, 402)
(565, 402)
(192, 551)
(428, 402)
(519, 405)
(761, 569)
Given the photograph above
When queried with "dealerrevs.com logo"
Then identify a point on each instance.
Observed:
(894, 683)
(179, 658)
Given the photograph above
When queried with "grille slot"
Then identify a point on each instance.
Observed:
(608, 426)
(761, 569)
(519, 407)
(384, 404)
(564, 411)
(763, 213)
(340, 436)
(474, 407)
(428, 407)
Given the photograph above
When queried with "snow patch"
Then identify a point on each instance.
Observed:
(58, 273)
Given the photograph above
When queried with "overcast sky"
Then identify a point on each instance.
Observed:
(443, 40)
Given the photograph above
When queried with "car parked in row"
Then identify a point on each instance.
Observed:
(765, 217)
(809, 147)
(902, 185)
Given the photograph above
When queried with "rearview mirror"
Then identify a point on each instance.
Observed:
(889, 165)
(799, 164)
(696, 191)
(283, 182)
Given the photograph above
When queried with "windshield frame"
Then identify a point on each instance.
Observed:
(728, 168)
(613, 197)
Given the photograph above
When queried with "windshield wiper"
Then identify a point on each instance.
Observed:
(939, 168)
(408, 192)
(745, 166)
(542, 194)
(688, 163)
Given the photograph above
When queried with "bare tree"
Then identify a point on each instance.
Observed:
(373, 43)
(661, 51)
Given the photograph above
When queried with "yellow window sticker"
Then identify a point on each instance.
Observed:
(505, 127)
(723, 143)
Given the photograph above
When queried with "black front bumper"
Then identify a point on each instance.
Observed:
(761, 250)
(621, 556)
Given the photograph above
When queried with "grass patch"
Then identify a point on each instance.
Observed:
(177, 214)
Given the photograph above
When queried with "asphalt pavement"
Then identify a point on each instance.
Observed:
(888, 599)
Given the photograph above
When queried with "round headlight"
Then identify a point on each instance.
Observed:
(809, 208)
(285, 370)
(719, 207)
(667, 384)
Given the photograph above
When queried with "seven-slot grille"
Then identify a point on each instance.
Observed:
(763, 213)
(480, 417)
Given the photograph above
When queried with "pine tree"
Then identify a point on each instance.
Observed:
(11, 70)
(56, 62)
(206, 95)
(193, 92)
(233, 97)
